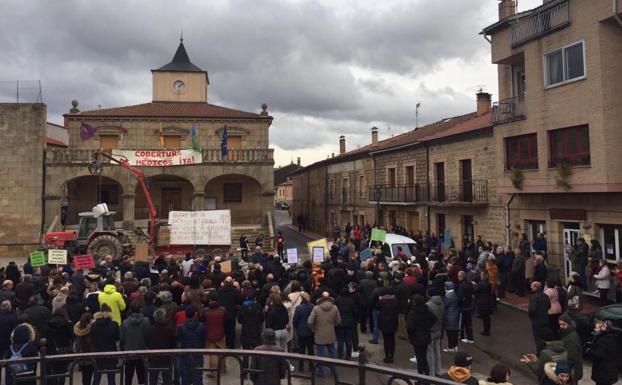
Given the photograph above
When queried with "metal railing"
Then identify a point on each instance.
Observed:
(541, 22)
(509, 110)
(402, 194)
(210, 155)
(475, 191)
(44, 368)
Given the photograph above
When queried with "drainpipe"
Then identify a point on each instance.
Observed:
(488, 39)
(615, 12)
(507, 218)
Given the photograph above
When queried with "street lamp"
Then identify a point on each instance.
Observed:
(377, 197)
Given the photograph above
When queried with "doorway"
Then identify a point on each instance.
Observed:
(571, 232)
(413, 222)
(440, 181)
(171, 201)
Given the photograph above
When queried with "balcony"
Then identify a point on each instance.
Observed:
(471, 192)
(509, 110)
(399, 194)
(210, 155)
(543, 20)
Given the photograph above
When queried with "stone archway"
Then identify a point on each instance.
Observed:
(84, 192)
(239, 193)
(168, 192)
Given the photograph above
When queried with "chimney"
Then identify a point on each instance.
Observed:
(507, 8)
(484, 101)
(332, 155)
(298, 161)
(374, 135)
(342, 144)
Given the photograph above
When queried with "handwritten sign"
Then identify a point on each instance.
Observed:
(320, 242)
(292, 256)
(378, 235)
(57, 256)
(37, 258)
(447, 238)
(83, 262)
(159, 158)
(212, 227)
(365, 254)
(318, 254)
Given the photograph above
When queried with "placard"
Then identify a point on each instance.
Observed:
(57, 257)
(83, 262)
(141, 251)
(447, 238)
(159, 158)
(318, 254)
(211, 227)
(365, 254)
(37, 258)
(378, 234)
(320, 242)
(292, 256)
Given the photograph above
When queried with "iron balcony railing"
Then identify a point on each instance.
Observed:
(509, 110)
(44, 369)
(401, 194)
(475, 191)
(550, 18)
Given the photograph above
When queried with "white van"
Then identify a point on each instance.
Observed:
(395, 240)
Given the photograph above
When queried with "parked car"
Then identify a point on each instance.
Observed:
(585, 326)
(282, 205)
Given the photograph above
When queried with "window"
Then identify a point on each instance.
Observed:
(109, 142)
(172, 142)
(521, 152)
(469, 228)
(232, 192)
(610, 241)
(440, 225)
(410, 176)
(391, 177)
(564, 64)
(569, 145)
(534, 228)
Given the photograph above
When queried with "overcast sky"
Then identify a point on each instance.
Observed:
(324, 67)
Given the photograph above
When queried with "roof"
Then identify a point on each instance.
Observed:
(470, 125)
(56, 135)
(508, 20)
(169, 110)
(181, 62)
(282, 173)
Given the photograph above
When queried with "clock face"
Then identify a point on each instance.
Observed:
(179, 86)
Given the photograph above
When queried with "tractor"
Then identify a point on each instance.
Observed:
(96, 235)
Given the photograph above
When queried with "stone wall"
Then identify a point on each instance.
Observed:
(22, 128)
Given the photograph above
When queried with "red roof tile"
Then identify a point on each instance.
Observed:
(477, 123)
(168, 110)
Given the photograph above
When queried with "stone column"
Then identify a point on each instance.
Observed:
(128, 210)
(52, 210)
(267, 204)
(198, 201)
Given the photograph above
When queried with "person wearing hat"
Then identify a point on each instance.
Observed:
(559, 373)
(460, 371)
(420, 322)
(451, 319)
(604, 348)
(538, 312)
(22, 341)
(553, 351)
(572, 342)
(268, 370)
(499, 374)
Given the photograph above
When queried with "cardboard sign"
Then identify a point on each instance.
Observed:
(57, 257)
(365, 254)
(292, 256)
(447, 238)
(37, 258)
(320, 242)
(141, 251)
(211, 227)
(159, 158)
(378, 235)
(83, 262)
(318, 254)
(225, 266)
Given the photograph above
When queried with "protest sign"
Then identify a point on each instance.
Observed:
(320, 242)
(365, 254)
(210, 227)
(447, 238)
(37, 258)
(318, 254)
(378, 235)
(57, 256)
(83, 262)
(159, 158)
(292, 256)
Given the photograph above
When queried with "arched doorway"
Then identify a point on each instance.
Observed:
(82, 193)
(239, 193)
(168, 192)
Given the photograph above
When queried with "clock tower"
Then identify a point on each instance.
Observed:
(180, 80)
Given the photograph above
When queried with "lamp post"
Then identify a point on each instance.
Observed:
(377, 197)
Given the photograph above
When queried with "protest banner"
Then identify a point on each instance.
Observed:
(57, 256)
(210, 227)
(365, 254)
(447, 238)
(318, 254)
(37, 258)
(378, 235)
(159, 158)
(292, 256)
(320, 242)
(83, 262)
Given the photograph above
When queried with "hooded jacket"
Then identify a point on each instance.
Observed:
(250, 317)
(83, 342)
(301, 316)
(553, 352)
(59, 334)
(323, 319)
(436, 306)
(114, 300)
(24, 334)
(8, 321)
(451, 320)
(160, 336)
(191, 335)
(419, 325)
(104, 332)
(604, 347)
(215, 322)
(574, 347)
(348, 310)
(461, 375)
(132, 332)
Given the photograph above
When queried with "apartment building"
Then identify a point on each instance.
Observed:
(557, 123)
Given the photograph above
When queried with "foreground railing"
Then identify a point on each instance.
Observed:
(509, 110)
(61, 367)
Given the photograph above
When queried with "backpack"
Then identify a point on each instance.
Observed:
(17, 367)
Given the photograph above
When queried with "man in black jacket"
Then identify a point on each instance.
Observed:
(465, 305)
(268, 370)
(539, 305)
(229, 298)
(250, 317)
(403, 292)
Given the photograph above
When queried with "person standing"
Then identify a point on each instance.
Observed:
(268, 370)
(132, 336)
(604, 347)
(251, 318)
(555, 310)
(519, 265)
(160, 336)
(104, 334)
(280, 246)
(602, 280)
(22, 342)
(421, 320)
(389, 312)
(436, 306)
(348, 312)
(277, 319)
(8, 322)
(581, 254)
(84, 344)
(191, 335)
(366, 287)
(451, 320)
(300, 324)
(322, 321)
(484, 302)
(229, 297)
(539, 305)
(466, 302)
(215, 332)
(60, 341)
(572, 342)
(114, 300)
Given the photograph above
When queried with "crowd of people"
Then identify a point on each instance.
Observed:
(309, 308)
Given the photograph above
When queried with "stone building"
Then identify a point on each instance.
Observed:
(557, 123)
(241, 180)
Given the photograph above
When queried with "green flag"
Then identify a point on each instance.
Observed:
(378, 234)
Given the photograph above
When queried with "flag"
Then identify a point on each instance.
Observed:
(86, 131)
(223, 143)
(161, 135)
(195, 140)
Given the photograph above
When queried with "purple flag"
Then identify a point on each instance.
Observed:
(86, 131)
